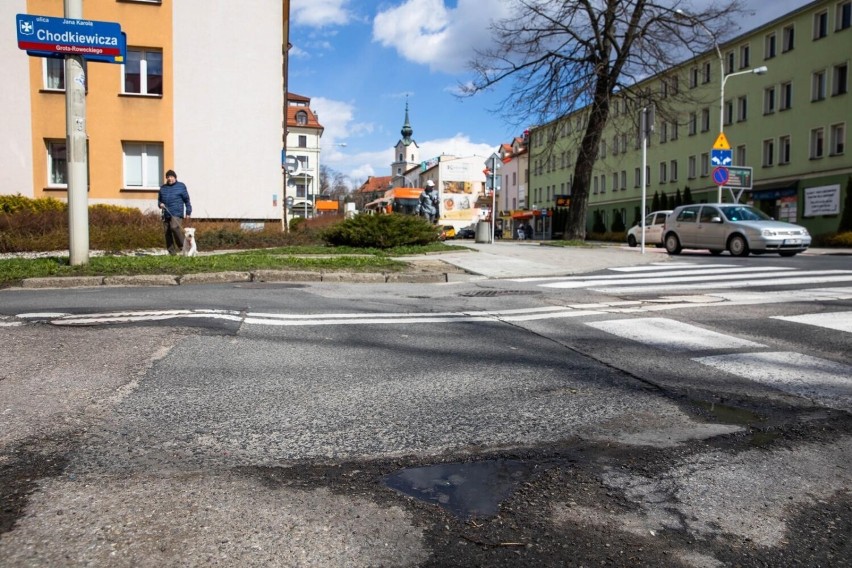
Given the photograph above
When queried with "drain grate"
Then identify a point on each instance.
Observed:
(490, 293)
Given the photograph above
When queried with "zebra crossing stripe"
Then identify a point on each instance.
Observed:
(839, 321)
(814, 277)
(670, 334)
(690, 276)
(825, 382)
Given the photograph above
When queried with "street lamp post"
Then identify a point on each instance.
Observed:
(723, 78)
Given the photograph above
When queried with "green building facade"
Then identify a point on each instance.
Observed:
(789, 124)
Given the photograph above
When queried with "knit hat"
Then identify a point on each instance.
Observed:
(171, 173)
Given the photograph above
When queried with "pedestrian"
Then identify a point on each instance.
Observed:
(173, 201)
(528, 231)
(429, 202)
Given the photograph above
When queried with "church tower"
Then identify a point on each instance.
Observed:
(406, 151)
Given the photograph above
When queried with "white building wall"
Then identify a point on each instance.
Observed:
(228, 106)
(15, 122)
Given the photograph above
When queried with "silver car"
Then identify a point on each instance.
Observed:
(740, 229)
(654, 223)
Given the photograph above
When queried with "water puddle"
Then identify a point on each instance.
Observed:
(467, 490)
(730, 414)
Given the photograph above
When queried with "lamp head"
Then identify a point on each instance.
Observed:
(760, 70)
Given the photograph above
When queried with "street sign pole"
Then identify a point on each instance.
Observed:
(76, 152)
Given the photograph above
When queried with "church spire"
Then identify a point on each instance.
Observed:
(406, 131)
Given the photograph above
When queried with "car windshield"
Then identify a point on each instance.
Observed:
(742, 213)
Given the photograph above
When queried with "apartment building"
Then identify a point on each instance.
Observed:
(201, 92)
(303, 143)
(790, 125)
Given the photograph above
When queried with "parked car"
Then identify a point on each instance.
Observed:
(448, 232)
(740, 229)
(466, 233)
(654, 223)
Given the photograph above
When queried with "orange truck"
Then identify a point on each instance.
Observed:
(403, 200)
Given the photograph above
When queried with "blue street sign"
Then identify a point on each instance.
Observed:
(720, 176)
(44, 36)
(721, 158)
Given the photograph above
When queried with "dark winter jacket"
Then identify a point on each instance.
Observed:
(174, 197)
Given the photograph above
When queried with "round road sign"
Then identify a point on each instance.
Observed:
(720, 175)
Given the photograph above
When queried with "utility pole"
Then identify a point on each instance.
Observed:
(76, 149)
(646, 127)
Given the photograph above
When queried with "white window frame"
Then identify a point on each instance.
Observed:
(768, 153)
(837, 139)
(143, 73)
(788, 41)
(786, 96)
(769, 100)
(843, 16)
(784, 149)
(742, 108)
(46, 76)
(770, 46)
(745, 56)
(149, 180)
(705, 164)
(663, 173)
(820, 25)
(55, 165)
(673, 171)
(818, 85)
(817, 143)
(691, 167)
(741, 155)
(840, 79)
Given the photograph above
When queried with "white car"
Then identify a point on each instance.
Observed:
(654, 224)
(739, 229)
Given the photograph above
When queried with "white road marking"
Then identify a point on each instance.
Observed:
(831, 276)
(825, 382)
(674, 267)
(840, 321)
(714, 280)
(670, 335)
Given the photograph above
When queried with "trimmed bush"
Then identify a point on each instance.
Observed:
(381, 232)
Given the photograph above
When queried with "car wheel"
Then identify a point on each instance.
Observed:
(672, 244)
(738, 246)
(715, 252)
(788, 253)
(631, 241)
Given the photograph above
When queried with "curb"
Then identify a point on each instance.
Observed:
(265, 275)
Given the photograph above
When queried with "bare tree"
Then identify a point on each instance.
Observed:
(566, 55)
(333, 183)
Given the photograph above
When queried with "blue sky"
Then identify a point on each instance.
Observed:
(359, 60)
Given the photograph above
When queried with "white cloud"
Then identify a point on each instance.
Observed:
(320, 13)
(430, 33)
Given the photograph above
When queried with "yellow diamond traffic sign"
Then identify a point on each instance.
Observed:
(721, 142)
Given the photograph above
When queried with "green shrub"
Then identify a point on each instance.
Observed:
(843, 240)
(18, 203)
(381, 232)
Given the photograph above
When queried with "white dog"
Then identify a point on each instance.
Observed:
(189, 246)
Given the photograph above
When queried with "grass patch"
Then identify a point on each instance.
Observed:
(311, 257)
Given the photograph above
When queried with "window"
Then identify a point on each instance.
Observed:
(729, 112)
(840, 80)
(143, 72)
(595, 187)
(647, 176)
(674, 87)
(817, 143)
(673, 170)
(741, 155)
(708, 214)
(57, 163)
(818, 86)
(742, 109)
(603, 183)
(615, 181)
(602, 153)
(784, 150)
(729, 62)
(844, 16)
(769, 46)
(789, 38)
(637, 177)
(143, 164)
(820, 24)
(624, 143)
(54, 74)
(302, 120)
(303, 141)
(664, 132)
(745, 56)
(837, 140)
(663, 177)
(786, 96)
(768, 152)
(623, 180)
(693, 123)
(769, 100)
(705, 119)
(690, 167)
(693, 77)
(705, 164)
(706, 76)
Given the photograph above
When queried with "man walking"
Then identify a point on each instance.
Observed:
(174, 204)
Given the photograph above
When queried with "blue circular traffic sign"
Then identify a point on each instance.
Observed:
(720, 175)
